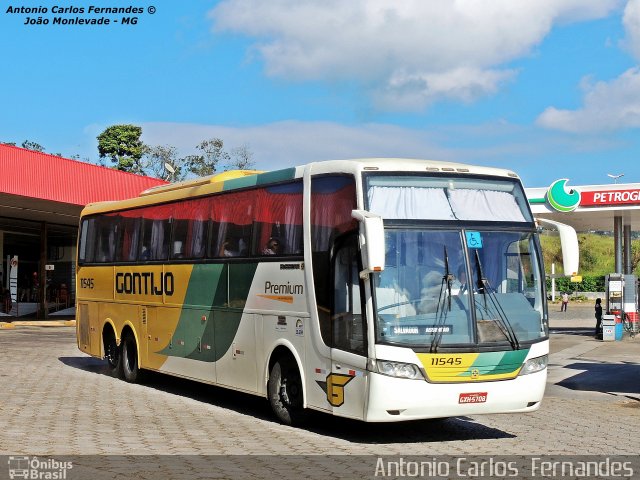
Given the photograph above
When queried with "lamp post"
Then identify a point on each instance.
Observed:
(615, 177)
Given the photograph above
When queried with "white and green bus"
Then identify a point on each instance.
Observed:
(376, 289)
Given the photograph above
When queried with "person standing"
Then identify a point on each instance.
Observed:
(7, 303)
(565, 302)
(35, 288)
(598, 309)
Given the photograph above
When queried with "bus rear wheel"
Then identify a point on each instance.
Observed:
(130, 368)
(113, 355)
(285, 391)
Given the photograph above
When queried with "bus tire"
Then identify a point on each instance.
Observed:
(286, 392)
(113, 355)
(130, 367)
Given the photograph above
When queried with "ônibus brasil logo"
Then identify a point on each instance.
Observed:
(561, 197)
(35, 468)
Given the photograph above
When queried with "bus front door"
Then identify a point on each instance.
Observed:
(346, 386)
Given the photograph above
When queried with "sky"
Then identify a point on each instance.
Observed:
(547, 88)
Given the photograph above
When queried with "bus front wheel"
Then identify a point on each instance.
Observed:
(130, 367)
(285, 391)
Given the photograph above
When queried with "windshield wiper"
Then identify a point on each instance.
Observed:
(502, 320)
(445, 287)
(447, 278)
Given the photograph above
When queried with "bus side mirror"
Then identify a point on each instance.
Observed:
(569, 243)
(371, 241)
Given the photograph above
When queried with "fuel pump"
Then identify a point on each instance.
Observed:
(630, 305)
(614, 284)
(622, 301)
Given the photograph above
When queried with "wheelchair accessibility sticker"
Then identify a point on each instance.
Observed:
(474, 239)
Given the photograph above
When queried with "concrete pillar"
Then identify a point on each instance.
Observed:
(42, 298)
(627, 249)
(617, 242)
(4, 268)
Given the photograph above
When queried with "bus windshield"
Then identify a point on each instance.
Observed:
(463, 287)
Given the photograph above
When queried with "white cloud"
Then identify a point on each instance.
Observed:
(530, 151)
(607, 106)
(408, 52)
(631, 22)
(416, 91)
(284, 144)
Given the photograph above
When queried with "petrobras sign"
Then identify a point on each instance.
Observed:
(564, 198)
(610, 197)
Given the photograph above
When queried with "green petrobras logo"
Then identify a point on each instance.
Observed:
(561, 197)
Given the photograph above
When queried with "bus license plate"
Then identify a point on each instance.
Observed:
(475, 397)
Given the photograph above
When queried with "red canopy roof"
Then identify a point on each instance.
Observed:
(48, 177)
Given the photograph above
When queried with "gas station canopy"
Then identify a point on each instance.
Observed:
(588, 207)
(593, 208)
(46, 188)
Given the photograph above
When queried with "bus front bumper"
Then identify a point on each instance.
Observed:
(396, 399)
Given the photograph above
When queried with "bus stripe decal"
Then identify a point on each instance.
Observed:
(474, 366)
(204, 319)
(261, 179)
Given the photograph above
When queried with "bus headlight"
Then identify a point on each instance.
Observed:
(398, 369)
(534, 365)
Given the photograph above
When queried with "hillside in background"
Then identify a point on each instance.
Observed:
(596, 254)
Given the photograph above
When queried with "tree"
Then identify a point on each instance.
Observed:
(635, 256)
(163, 162)
(122, 145)
(241, 158)
(205, 163)
(29, 145)
(76, 156)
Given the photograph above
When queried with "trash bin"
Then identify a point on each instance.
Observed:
(608, 328)
(619, 327)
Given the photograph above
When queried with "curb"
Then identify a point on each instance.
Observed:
(39, 323)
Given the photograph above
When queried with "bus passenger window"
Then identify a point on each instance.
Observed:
(189, 222)
(155, 240)
(180, 232)
(107, 232)
(232, 218)
(127, 250)
(196, 238)
(279, 220)
(87, 240)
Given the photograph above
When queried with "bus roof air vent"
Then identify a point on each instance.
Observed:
(197, 182)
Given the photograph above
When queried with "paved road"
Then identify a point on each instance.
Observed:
(56, 401)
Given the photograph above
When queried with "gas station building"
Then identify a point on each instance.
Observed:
(593, 208)
(596, 208)
(41, 197)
